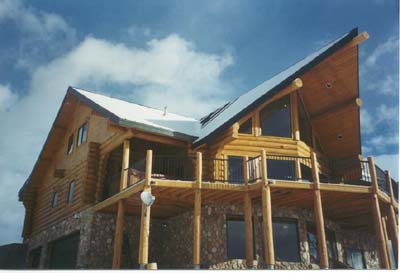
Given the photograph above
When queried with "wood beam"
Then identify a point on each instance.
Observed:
(392, 223)
(248, 230)
(376, 212)
(267, 215)
(125, 164)
(337, 107)
(119, 229)
(197, 212)
(294, 111)
(319, 215)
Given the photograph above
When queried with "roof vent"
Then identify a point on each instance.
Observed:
(339, 137)
(165, 111)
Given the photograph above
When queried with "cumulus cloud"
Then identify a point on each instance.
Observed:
(366, 120)
(7, 98)
(387, 86)
(169, 71)
(389, 46)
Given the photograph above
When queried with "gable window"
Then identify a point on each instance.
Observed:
(82, 134)
(71, 188)
(235, 169)
(246, 127)
(70, 146)
(54, 200)
(286, 240)
(236, 241)
(280, 169)
(275, 118)
(355, 258)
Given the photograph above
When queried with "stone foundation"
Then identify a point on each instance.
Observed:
(171, 239)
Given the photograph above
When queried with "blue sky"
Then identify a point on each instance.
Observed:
(190, 55)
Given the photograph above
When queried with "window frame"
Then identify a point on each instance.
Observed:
(54, 200)
(234, 217)
(70, 144)
(267, 111)
(240, 181)
(346, 249)
(82, 132)
(71, 191)
(292, 221)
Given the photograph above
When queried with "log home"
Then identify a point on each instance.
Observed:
(272, 179)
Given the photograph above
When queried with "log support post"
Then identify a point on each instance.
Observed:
(392, 226)
(385, 233)
(267, 215)
(197, 212)
(145, 216)
(377, 218)
(319, 215)
(248, 216)
(119, 225)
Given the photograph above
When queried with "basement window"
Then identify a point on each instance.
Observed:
(330, 244)
(246, 127)
(54, 200)
(286, 240)
(71, 188)
(70, 146)
(82, 134)
(355, 258)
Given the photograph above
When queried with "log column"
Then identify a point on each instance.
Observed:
(377, 218)
(319, 215)
(385, 234)
(392, 222)
(248, 216)
(119, 225)
(197, 212)
(145, 216)
(267, 215)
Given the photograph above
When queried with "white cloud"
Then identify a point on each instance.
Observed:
(389, 162)
(387, 113)
(169, 71)
(367, 124)
(381, 142)
(386, 86)
(7, 98)
(388, 47)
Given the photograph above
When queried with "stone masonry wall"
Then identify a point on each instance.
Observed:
(171, 240)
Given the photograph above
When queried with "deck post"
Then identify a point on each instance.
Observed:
(145, 216)
(392, 222)
(386, 241)
(119, 224)
(197, 212)
(377, 218)
(119, 228)
(267, 215)
(319, 215)
(248, 216)
(125, 164)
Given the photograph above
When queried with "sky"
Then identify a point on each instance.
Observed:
(191, 56)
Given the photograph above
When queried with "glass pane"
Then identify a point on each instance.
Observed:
(79, 137)
(280, 169)
(275, 118)
(286, 242)
(392, 259)
(84, 132)
(70, 144)
(354, 258)
(55, 200)
(235, 169)
(246, 127)
(71, 192)
(236, 239)
(306, 174)
(305, 127)
(313, 246)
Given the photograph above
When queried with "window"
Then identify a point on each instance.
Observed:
(236, 241)
(306, 174)
(246, 127)
(54, 201)
(235, 169)
(355, 258)
(330, 244)
(70, 196)
(63, 252)
(286, 240)
(391, 255)
(304, 125)
(275, 118)
(82, 134)
(70, 146)
(280, 169)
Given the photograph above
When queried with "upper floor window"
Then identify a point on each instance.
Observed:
(275, 118)
(71, 188)
(286, 240)
(54, 200)
(246, 127)
(82, 134)
(355, 258)
(280, 169)
(70, 146)
(235, 169)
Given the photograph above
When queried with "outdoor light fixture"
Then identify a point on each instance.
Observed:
(328, 85)
(147, 198)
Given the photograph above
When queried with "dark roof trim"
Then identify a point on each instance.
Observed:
(352, 34)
